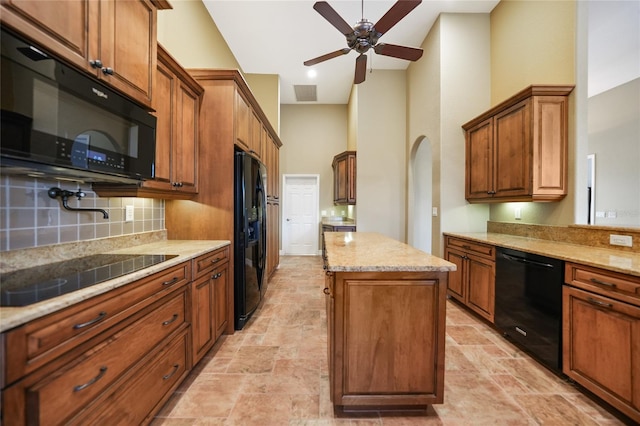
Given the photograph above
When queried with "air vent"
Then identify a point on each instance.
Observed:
(305, 92)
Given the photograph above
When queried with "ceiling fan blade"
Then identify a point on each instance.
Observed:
(401, 52)
(398, 11)
(329, 13)
(327, 56)
(361, 69)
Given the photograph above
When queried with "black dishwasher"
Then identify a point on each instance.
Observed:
(528, 307)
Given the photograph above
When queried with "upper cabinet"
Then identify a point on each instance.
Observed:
(114, 40)
(176, 102)
(344, 178)
(517, 151)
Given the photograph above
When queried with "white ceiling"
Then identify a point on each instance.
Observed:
(277, 36)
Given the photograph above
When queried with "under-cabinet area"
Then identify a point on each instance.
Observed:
(117, 349)
(584, 303)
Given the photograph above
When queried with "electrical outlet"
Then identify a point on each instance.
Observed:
(518, 213)
(128, 213)
(620, 240)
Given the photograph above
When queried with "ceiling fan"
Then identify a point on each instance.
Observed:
(364, 36)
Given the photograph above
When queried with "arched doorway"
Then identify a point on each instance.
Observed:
(420, 194)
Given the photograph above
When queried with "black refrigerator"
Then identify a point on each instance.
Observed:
(250, 218)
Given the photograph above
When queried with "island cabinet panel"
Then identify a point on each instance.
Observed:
(601, 335)
(386, 338)
(517, 151)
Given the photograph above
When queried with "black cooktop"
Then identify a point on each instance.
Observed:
(27, 286)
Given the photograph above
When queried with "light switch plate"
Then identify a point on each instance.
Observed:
(620, 240)
(128, 213)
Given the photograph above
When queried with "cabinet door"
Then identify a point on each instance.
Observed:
(601, 347)
(61, 25)
(481, 277)
(513, 151)
(185, 158)
(479, 159)
(220, 286)
(242, 122)
(256, 136)
(163, 101)
(456, 286)
(127, 46)
(202, 322)
(340, 180)
(351, 179)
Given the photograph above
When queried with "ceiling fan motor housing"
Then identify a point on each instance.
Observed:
(363, 37)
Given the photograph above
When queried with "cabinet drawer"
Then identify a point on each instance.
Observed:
(38, 342)
(480, 249)
(207, 262)
(55, 394)
(607, 283)
(149, 387)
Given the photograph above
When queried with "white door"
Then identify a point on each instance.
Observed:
(300, 219)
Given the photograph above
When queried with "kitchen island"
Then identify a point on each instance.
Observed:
(385, 322)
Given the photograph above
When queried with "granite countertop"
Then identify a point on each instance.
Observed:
(338, 221)
(11, 317)
(372, 252)
(610, 259)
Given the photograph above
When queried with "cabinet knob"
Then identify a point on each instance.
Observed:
(96, 63)
(107, 71)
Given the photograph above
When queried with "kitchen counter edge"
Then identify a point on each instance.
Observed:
(604, 258)
(11, 317)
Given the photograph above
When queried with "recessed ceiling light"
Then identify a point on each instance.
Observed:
(312, 73)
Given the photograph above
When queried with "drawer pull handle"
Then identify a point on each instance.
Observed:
(597, 281)
(173, 281)
(92, 381)
(599, 303)
(167, 322)
(216, 260)
(466, 247)
(216, 276)
(100, 317)
(175, 370)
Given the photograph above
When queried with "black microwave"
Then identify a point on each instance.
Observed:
(62, 123)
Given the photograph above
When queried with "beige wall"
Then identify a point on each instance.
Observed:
(381, 167)
(533, 42)
(266, 89)
(447, 87)
(311, 136)
(190, 35)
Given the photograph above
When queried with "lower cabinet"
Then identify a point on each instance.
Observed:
(116, 358)
(65, 391)
(601, 335)
(209, 295)
(473, 282)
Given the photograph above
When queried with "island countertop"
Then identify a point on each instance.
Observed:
(373, 252)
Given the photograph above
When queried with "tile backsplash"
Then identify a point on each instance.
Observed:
(29, 218)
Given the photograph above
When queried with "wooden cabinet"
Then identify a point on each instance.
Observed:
(209, 290)
(273, 205)
(113, 40)
(210, 216)
(601, 335)
(473, 282)
(61, 370)
(177, 108)
(386, 338)
(344, 178)
(517, 151)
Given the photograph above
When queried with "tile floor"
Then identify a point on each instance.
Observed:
(274, 372)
